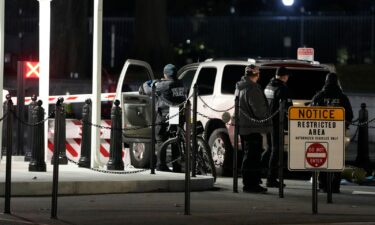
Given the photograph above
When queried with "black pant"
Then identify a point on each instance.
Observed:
(251, 165)
(162, 134)
(335, 182)
(274, 158)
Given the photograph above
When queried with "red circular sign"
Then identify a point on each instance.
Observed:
(316, 155)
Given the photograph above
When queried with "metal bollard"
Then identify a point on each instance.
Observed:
(4, 134)
(153, 131)
(55, 159)
(235, 150)
(194, 149)
(281, 147)
(37, 162)
(115, 159)
(59, 146)
(85, 159)
(33, 103)
(363, 157)
(8, 167)
(187, 159)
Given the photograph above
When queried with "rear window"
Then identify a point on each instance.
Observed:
(303, 84)
(206, 81)
(231, 75)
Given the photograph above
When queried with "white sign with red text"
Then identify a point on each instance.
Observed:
(305, 54)
(316, 138)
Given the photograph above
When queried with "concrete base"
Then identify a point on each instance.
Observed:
(74, 180)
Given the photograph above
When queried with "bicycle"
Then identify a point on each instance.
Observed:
(204, 162)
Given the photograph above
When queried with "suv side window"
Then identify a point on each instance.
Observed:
(187, 78)
(135, 76)
(231, 75)
(206, 81)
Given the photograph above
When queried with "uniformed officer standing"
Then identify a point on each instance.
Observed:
(332, 95)
(253, 106)
(275, 91)
(170, 92)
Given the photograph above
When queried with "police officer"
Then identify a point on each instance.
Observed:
(332, 95)
(275, 91)
(169, 91)
(253, 106)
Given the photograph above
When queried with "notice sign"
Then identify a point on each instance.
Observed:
(316, 138)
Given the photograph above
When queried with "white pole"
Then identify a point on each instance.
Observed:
(44, 49)
(96, 81)
(2, 37)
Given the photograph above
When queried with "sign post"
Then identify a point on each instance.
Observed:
(316, 141)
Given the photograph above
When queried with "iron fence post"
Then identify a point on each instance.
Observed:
(30, 135)
(281, 147)
(187, 158)
(8, 167)
(153, 131)
(235, 151)
(85, 159)
(194, 149)
(37, 162)
(115, 159)
(55, 159)
(363, 157)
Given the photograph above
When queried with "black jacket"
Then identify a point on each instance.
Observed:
(275, 91)
(332, 95)
(253, 104)
(169, 93)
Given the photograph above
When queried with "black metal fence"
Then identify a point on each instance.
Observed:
(347, 39)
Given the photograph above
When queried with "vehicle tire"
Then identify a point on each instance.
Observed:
(222, 151)
(205, 163)
(140, 154)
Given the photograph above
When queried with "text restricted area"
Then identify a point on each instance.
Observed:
(316, 138)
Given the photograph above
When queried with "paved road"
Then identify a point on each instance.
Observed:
(218, 206)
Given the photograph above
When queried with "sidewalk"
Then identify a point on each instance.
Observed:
(76, 181)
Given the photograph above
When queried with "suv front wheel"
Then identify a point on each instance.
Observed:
(222, 151)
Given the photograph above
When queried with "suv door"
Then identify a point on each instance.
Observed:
(136, 108)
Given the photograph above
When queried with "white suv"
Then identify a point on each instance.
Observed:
(216, 80)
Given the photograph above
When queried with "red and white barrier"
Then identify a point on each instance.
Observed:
(71, 98)
(73, 142)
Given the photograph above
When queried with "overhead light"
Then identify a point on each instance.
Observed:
(288, 2)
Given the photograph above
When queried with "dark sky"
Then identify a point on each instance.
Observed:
(244, 7)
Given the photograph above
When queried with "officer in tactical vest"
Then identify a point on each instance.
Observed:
(275, 91)
(170, 92)
(332, 95)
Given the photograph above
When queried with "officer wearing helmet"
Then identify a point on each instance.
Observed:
(275, 91)
(169, 92)
(332, 95)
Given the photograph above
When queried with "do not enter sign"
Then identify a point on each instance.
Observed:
(316, 155)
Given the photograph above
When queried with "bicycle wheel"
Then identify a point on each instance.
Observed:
(204, 163)
(175, 163)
